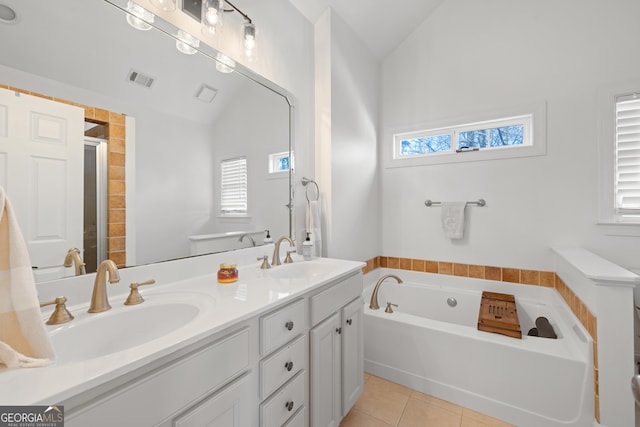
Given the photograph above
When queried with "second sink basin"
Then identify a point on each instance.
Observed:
(94, 335)
(301, 269)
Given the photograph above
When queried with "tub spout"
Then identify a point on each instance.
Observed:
(373, 305)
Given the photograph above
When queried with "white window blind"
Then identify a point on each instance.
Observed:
(233, 186)
(627, 167)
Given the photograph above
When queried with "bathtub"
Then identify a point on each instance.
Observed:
(430, 346)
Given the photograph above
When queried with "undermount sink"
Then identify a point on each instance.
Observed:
(301, 269)
(93, 335)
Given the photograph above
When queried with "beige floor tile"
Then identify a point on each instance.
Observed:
(382, 384)
(356, 418)
(485, 420)
(419, 413)
(383, 400)
(438, 402)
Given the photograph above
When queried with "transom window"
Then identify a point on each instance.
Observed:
(487, 135)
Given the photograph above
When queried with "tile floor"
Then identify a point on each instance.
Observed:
(386, 404)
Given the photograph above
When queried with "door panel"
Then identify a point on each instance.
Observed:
(41, 169)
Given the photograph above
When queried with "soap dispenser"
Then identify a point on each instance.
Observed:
(307, 248)
(268, 238)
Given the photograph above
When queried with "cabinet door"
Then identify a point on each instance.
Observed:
(325, 354)
(229, 407)
(352, 354)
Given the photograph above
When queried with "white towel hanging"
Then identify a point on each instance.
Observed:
(452, 216)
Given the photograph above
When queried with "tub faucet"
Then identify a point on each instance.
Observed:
(276, 250)
(99, 300)
(253, 242)
(73, 258)
(373, 305)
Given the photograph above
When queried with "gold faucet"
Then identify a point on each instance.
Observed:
(276, 250)
(373, 304)
(73, 258)
(99, 300)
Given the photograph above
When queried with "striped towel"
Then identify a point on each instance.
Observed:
(24, 341)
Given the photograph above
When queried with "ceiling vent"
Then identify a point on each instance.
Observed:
(206, 93)
(140, 78)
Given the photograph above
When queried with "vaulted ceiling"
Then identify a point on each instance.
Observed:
(382, 25)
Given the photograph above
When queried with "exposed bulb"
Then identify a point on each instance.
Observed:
(186, 43)
(166, 5)
(212, 11)
(138, 17)
(249, 39)
(224, 64)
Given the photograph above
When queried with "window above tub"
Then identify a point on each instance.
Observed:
(514, 133)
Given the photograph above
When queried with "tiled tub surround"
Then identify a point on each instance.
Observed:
(576, 297)
(114, 124)
(436, 349)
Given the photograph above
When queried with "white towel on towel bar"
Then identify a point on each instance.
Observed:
(314, 225)
(453, 219)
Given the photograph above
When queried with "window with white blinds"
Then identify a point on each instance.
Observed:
(627, 157)
(233, 186)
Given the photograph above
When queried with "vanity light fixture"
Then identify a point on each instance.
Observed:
(139, 17)
(212, 11)
(186, 43)
(249, 39)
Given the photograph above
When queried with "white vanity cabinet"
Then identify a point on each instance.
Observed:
(212, 386)
(336, 351)
(283, 367)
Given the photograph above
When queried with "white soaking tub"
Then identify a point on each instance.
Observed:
(432, 347)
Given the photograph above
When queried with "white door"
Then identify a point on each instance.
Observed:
(325, 354)
(41, 169)
(352, 354)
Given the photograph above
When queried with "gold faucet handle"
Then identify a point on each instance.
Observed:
(265, 262)
(134, 295)
(60, 313)
(389, 309)
(288, 259)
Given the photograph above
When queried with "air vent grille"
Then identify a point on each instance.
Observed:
(140, 79)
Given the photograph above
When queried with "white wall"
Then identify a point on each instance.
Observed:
(347, 115)
(472, 57)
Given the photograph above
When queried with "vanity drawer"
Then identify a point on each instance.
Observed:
(281, 366)
(331, 300)
(281, 326)
(299, 419)
(284, 403)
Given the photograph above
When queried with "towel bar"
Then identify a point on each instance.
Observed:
(479, 202)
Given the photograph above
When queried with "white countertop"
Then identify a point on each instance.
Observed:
(255, 292)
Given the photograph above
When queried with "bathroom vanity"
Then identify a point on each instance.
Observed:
(282, 346)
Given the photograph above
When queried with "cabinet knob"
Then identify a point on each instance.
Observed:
(289, 405)
(288, 366)
(339, 330)
(349, 322)
(289, 325)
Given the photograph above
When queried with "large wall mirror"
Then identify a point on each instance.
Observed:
(160, 130)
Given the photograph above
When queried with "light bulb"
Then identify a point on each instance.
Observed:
(224, 64)
(212, 11)
(138, 17)
(186, 43)
(166, 5)
(249, 38)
